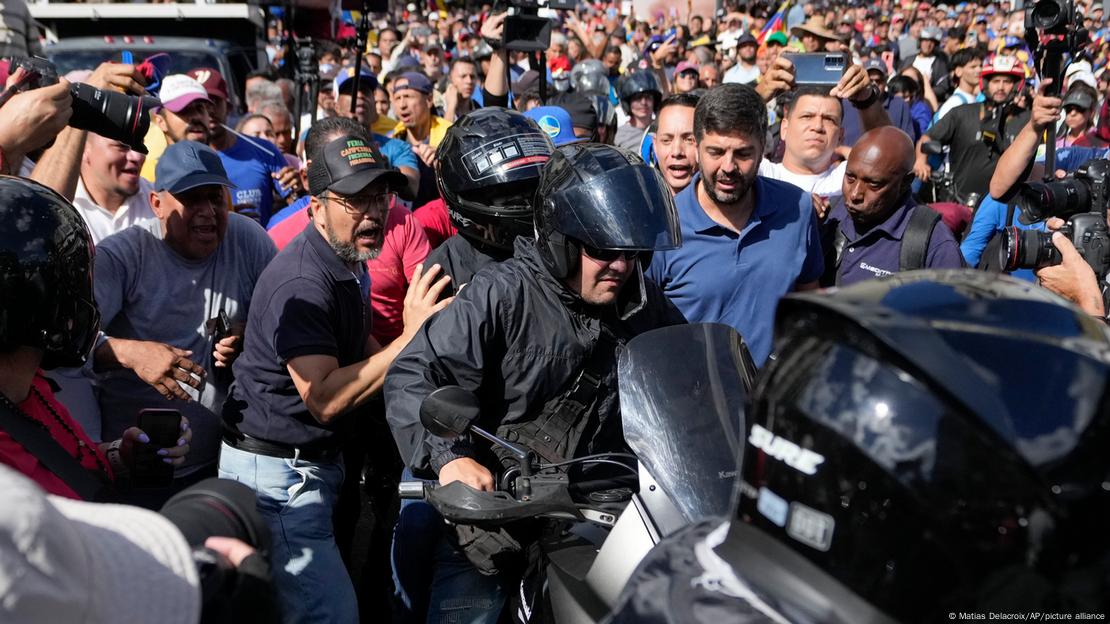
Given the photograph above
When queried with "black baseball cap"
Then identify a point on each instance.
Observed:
(349, 164)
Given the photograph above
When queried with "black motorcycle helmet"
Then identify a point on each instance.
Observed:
(46, 258)
(926, 444)
(604, 197)
(487, 169)
(642, 81)
(589, 77)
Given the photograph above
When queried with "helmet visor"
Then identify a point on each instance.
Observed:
(626, 208)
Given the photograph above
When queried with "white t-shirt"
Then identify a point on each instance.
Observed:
(741, 75)
(135, 210)
(924, 64)
(827, 185)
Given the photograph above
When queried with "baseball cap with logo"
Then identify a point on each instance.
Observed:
(413, 80)
(179, 91)
(212, 81)
(876, 65)
(186, 165)
(349, 164)
(555, 122)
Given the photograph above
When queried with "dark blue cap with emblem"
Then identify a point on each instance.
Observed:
(186, 165)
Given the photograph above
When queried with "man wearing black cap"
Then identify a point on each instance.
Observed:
(161, 290)
(745, 70)
(305, 368)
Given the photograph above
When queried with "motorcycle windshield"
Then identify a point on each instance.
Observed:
(683, 393)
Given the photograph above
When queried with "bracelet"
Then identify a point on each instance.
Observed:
(871, 99)
(115, 459)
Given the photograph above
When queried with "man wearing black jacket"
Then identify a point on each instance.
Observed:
(536, 339)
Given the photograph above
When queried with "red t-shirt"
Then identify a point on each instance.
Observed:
(403, 247)
(436, 222)
(18, 458)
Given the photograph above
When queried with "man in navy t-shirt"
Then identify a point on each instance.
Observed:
(746, 240)
(255, 165)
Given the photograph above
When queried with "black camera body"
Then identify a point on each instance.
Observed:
(1082, 199)
(525, 30)
(125, 118)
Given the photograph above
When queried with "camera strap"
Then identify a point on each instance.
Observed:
(38, 442)
(915, 239)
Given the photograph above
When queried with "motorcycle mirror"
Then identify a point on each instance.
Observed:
(449, 411)
(932, 148)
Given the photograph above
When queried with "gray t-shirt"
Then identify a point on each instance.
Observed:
(629, 137)
(146, 291)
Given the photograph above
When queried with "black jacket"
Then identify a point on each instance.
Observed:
(461, 259)
(517, 338)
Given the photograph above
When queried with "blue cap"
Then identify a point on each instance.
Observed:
(367, 80)
(555, 122)
(413, 80)
(186, 165)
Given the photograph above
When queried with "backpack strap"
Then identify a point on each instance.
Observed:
(39, 443)
(915, 240)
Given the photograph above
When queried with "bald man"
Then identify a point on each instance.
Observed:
(879, 229)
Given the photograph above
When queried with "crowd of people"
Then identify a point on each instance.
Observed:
(295, 282)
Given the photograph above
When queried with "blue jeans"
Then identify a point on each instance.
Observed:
(434, 582)
(296, 499)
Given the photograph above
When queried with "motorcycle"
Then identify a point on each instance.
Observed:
(683, 393)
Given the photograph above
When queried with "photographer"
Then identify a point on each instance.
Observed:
(1073, 279)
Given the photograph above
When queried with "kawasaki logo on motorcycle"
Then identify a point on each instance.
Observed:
(798, 458)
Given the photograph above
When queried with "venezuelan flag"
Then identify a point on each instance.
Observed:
(777, 23)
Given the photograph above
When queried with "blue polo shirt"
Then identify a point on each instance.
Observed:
(719, 276)
(250, 163)
(876, 252)
(306, 302)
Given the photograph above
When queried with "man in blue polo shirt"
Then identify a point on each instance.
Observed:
(255, 165)
(308, 361)
(879, 219)
(746, 240)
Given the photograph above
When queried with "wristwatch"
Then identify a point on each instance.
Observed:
(869, 100)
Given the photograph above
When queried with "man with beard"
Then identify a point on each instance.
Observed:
(184, 115)
(676, 149)
(309, 362)
(746, 240)
(879, 229)
(745, 70)
(161, 290)
(256, 165)
(978, 133)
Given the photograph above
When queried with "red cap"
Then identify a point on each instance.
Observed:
(212, 80)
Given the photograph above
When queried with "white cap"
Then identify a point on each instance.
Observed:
(70, 561)
(179, 91)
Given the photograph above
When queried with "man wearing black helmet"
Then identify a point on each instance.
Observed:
(535, 338)
(487, 168)
(640, 95)
(900, 467)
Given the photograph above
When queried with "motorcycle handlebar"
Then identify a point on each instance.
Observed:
(414, 490)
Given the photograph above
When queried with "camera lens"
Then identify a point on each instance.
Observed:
(1039, 201)
(1048, 14)
(1026, 249)
(218, 507)
(118, 116)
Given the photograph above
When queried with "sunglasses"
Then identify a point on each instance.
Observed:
(611, 255)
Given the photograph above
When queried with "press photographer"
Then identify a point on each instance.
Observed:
(1074, 261)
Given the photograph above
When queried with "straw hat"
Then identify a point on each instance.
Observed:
(816, 27)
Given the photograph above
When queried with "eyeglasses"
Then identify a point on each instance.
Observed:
(359, 205)
(610, 255)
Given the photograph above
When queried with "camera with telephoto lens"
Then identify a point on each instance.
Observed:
(118, 116)
(1082, 199)
(226, 508)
